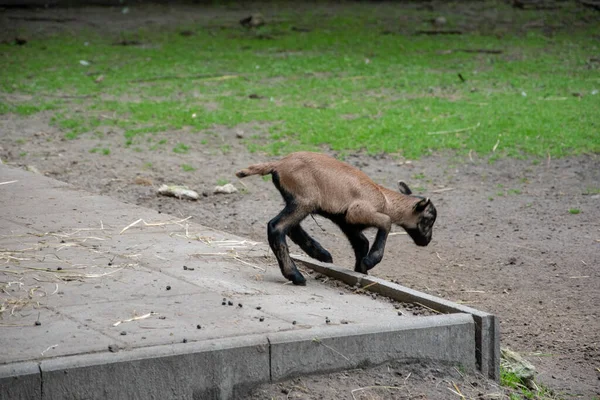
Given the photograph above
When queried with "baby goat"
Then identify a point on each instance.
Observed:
(314, 183)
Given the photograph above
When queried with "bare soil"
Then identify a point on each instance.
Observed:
(505, 242)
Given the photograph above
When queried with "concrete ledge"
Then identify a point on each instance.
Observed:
(487, 327)
(20, 381)
(219, 369)
(444, 338)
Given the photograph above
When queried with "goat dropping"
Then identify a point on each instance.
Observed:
(314, 183)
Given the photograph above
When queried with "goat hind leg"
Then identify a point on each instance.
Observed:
(308, 244)
(277, 229)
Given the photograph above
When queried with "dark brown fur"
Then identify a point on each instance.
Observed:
(314, 183)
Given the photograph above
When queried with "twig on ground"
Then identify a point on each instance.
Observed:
(7, 182)
(496, 146)
(231, 254)
(134, 318)
(237, 258)
(50, 348)
(442, 190)
(455, 130)
(362, 289)
(153, 223)
(457, 391)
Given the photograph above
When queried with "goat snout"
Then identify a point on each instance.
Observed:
(419, 238)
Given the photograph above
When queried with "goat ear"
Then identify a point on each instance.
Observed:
(403, 188)
(421, 204)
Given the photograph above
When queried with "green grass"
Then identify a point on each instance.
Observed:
(345, 84)
(574, 211)
(105, 151)
(187, 168)
(520, 390)
(222, 182)
(181, 148)
(592, 190)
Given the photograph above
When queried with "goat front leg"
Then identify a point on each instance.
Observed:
(358, 241)
(376, 253)
(277, 229)
(364, 214)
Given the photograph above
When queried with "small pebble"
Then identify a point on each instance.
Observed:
(123, 333)
(144, 337)
(285, 391)
(37, 323)
(327, 320)
(168, 287)
(293, 322)
(397, 306)
(344, 322)
(258, 308)
(261, 319)
(198, 326)
(59, 269)
(184, 268)
(240, 305)
(184, 340)
(113, 348)
(230, 302)
(223, 303)
(162, 317)
(400, 313)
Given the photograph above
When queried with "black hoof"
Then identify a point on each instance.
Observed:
(298, 279)
(361, 269)
(325, 257)
(365, 265)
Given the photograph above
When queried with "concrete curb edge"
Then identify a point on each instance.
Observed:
(487, 326)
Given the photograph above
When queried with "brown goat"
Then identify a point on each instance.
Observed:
(314, 183)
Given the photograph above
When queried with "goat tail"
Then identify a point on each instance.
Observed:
(257, 169)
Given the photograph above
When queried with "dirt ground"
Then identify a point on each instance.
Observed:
(504, 242)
